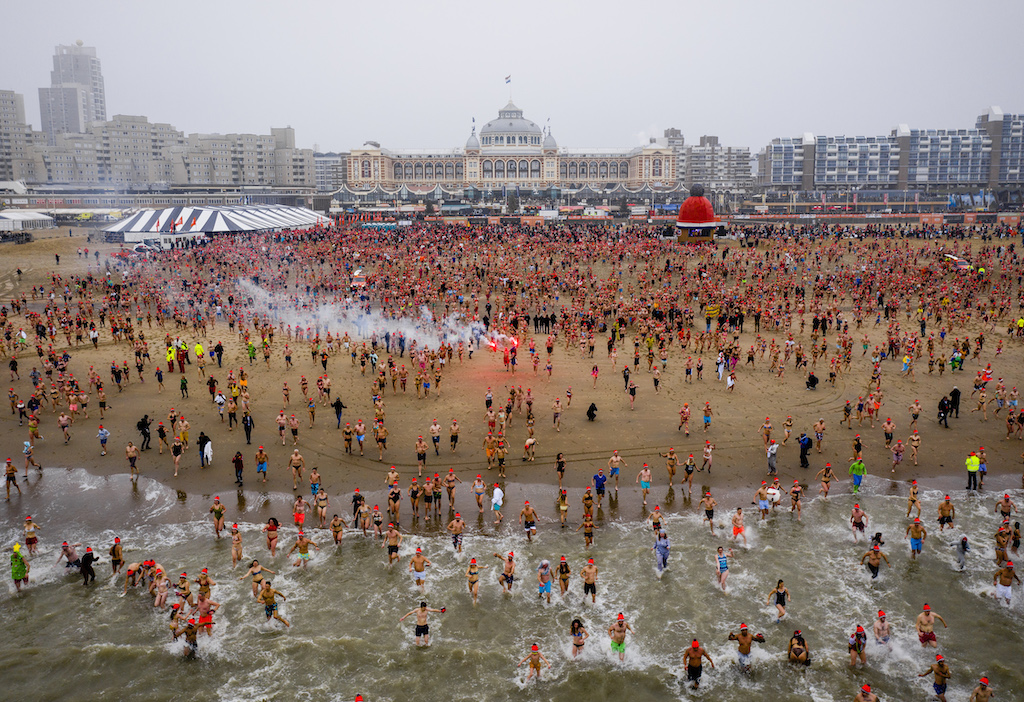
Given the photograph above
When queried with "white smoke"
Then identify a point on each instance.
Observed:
(352, 317)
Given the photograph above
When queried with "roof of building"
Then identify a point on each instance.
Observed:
(209, 220)
(25, 216)
(510, 119)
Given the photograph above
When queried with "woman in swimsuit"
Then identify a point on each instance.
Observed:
(560, 468)
(826, 478)
(322, 502)
(563, 576)
(780, 594)
(479, 489)
(473, 578)
(378, 520)
(271, 531)
(414, 498)
(579, 637)
(798, 652)
(563, 506)
(256, 571)
(394, 501)
(336, 526)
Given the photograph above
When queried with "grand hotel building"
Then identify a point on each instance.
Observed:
(511, 153)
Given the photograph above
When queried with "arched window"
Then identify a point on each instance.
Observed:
(458, 171)
(563, 170)
(499, 169)
(511, 168)
(428, 171)
(488, 169)
(603, 170)
(572, 170)
(418, 169)
(614, 169)
(593, 169)
(408, 171)
(656, 171)
(535, 168)
(524, 167)
(398, 171)
(624, 169)
(366, 169)
(449, 171)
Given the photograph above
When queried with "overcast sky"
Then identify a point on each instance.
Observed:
(607, 73)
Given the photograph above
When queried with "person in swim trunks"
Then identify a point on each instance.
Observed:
(267, 599)
(942, 673)
(744, 642)
(709, 504)
(456, 527)
(693, 659)
(617, 633)
(508, 574)
(422, 627)
(925, 625)
(534, 657)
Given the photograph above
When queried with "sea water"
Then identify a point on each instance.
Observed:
(63, 640)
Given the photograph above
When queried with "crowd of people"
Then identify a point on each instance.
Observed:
(238, 315)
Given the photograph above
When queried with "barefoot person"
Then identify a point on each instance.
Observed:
(925, 626)
(722, 565)
(744, 642)
(473, 579)
(693, 660)
(267, 598)
(617, 633)
(940, 669)
(422, 627)
(534, 657)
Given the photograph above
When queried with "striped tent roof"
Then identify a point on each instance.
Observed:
(210, 220)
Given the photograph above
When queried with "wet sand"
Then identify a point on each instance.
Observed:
(639, 435)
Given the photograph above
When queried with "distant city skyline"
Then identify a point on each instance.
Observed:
(343, 74)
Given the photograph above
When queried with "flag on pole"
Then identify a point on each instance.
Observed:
(508, 78)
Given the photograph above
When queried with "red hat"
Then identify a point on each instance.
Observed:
(764, 482)
(696, 643)
(527, 502)
(938, 656)
(796, 482)
(191, 621)
(743, 626)
(860, 629)
(914, 482)
(876, 547)
(88, 549)
(495, 485)
(866, 688)
(391, 525)
(28, 519)
(216, 499)
(1009, 564)
(590, 560)
(535, 647)
(621, 616)
(205, 570)
(359, 698)
(984, 681)
(563, 558)
(947, 497)
(173, 606)
(881, 613)
(917, 520)
(419, 550)
(856, 506)
(117, 539)
(511, 554)
(927, 608)
(472, 560)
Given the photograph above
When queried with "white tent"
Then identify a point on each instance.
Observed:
(215, 220)
(18, 220)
